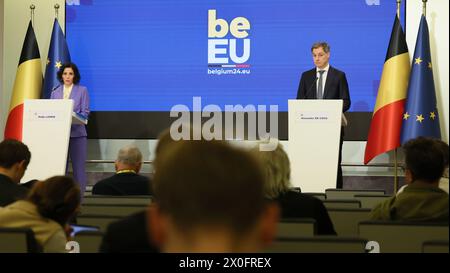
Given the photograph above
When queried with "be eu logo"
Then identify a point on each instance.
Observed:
(222, 47)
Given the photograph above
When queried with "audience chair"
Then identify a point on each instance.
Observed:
(18, 240)
(341, 204)
(115, 210)
(296, 227)
(346, 221)
(89, 241)
(436, 246)
(402, 236)
(117, 200)
(318, 195)
(349, 194)
(318, 244)
(369, 201)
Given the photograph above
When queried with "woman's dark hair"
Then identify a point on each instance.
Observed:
(56, 198)
(76, 72)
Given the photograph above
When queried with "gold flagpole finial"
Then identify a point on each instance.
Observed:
(424, 7)
(56, 6)
(398, 8)
(32, 7)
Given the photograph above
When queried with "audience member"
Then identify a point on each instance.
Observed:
(130, 234)
(422, 199)
(14, 160)
(127, 180)
(209, 198)
(47, 210)
(293, 203)
(443, 181)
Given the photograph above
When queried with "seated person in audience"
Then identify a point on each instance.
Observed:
(422, 199)
(443, 182)
(126, 181)
(47, 210)
(130, 233)
(14, 159)
(293, 203)
(209, 198)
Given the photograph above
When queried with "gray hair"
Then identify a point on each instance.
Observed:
(129, 155)
(277, 171)
(324, 45)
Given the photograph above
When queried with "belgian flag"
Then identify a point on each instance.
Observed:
(27, 84)
(385, 128)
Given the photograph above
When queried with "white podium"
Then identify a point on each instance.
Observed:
(314, 134)
(46, 132)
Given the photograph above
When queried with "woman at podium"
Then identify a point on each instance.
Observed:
(69, 76)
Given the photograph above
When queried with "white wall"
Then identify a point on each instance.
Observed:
(438, 22)
(16, 16)
(2, 99)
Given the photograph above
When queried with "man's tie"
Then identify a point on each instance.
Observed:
(320, 88)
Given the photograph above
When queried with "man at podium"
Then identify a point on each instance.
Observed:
(325, 82)
(69, 76)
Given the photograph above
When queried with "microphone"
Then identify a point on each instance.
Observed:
(311, 87)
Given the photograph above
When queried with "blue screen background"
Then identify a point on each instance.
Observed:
(149, 55)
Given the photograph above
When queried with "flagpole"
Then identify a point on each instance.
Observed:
(424, 8)
(56, 6)
(395, 172)
(395, 150)
(32, 7)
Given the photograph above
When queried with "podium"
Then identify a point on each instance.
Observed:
(314, 135)
(46, 132)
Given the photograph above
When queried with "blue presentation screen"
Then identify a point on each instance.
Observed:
(148, 55)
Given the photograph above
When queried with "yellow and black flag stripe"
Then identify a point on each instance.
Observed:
(385, 128)
(27, 84)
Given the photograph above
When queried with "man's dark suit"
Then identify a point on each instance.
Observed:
(128, 235)
(336, 87)
(10, 191)
(123, 184)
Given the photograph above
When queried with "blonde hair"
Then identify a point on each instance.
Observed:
(277, 171)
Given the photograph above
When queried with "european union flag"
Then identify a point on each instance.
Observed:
(421, 116)
(58, 54)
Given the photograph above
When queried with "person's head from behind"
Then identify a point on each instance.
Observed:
(68, 74)
(277, 171)
(57, 198)
(444, 148)
(321, 54)
(424, 160)
(14, 159)
(209, 198)
(129, 158)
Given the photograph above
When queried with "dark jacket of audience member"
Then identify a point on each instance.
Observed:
(14, 159)
(10, 191)
(297, 205)
(123, 184)
(126, 181)
(128, 235)
(293, 204)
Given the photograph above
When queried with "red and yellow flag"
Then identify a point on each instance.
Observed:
(385, 128)
(27, 84)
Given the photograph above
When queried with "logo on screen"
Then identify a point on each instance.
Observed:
(228, 45)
